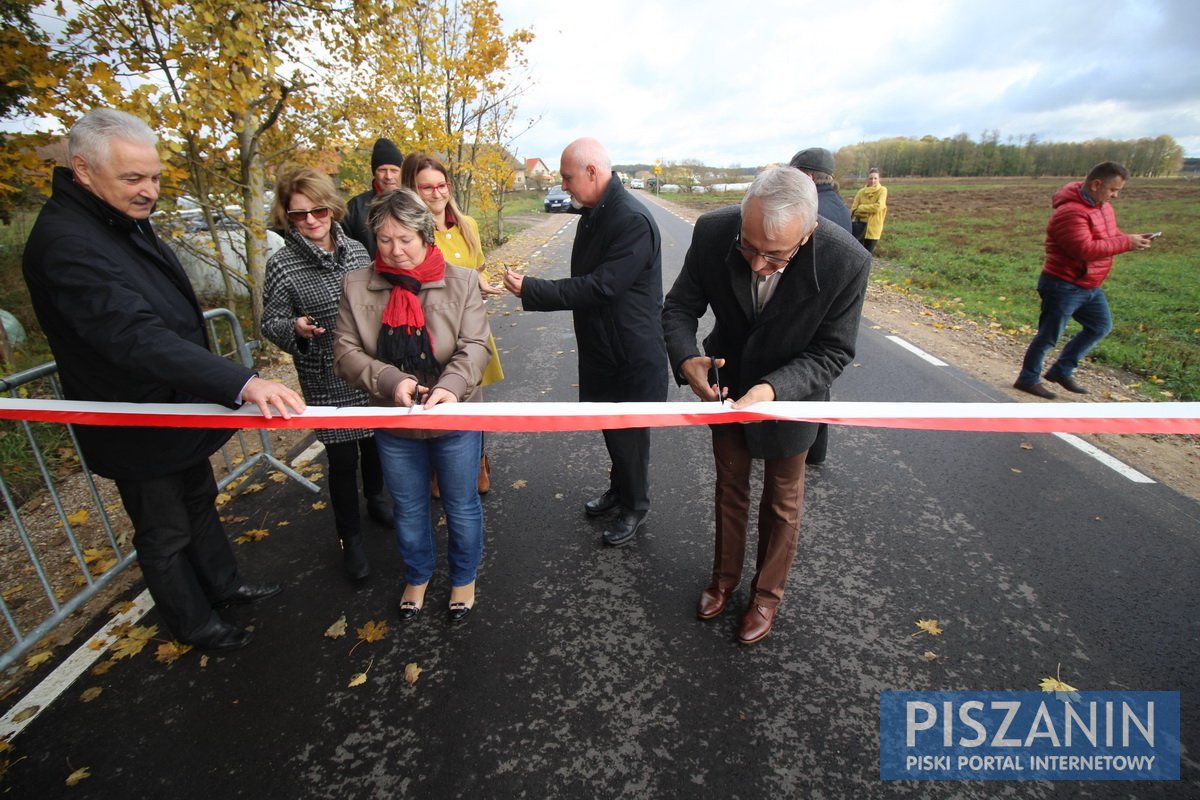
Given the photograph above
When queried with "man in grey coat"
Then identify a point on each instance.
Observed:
(787, 295)
(615, 295)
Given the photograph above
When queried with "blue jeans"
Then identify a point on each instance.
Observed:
(406, 469)
(1060, 302)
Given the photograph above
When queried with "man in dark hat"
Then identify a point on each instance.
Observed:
(818, 164)
(386, 159)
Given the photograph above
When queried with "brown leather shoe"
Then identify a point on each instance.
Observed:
(712, 602)
(1035, 389)
(756, 624)
(484, 484)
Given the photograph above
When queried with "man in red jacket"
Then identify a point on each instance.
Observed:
(1081, 240)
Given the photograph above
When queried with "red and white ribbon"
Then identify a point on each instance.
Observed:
(547, 417)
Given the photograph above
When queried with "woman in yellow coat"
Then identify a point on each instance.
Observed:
(868, 210)
(458, 239)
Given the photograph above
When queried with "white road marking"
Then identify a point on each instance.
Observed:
(1120, 467)
(912, 348)
(66, 673)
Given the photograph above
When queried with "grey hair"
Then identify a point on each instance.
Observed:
(585, 151)
(405, 207)
(784, 194)
(94, 131)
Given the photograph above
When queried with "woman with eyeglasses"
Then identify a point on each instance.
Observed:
(413, 331)
(300, 299)
(458, 239)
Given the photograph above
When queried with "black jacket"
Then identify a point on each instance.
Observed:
(831, 206)
(804, 337)
(124, 325)
(615, 292)
(355, 221)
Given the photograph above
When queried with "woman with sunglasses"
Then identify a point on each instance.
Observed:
(300, 299)
(458, 239)
(413, 331)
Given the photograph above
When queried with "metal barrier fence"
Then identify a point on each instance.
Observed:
(90, 553)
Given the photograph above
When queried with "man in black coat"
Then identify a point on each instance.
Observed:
(615, 292)
(818, 164)
(386, 160)
(125, 325)
(787, 295)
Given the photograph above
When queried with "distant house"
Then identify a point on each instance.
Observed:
(537, 174)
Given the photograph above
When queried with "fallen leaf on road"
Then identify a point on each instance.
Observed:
(90, 694)
(26, 713)
(929, 626)
(78, 775)
(203, 662)
(373, 631)
(170, 652)
(411, 673)
(930, 655)
(520, 483)
(1026, 446)
(103, 667)
(317, 506)
(79, 517)
(338, 629)
(359, 678)
(1063, 691)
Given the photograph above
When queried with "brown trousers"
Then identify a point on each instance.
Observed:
(778, 516)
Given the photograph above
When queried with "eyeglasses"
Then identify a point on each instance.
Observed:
(298, 215)
(434, 188)
(749, 253)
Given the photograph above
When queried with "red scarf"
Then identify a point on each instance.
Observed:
(403, 340)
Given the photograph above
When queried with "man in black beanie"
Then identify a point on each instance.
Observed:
(818, 164)
(386, 159)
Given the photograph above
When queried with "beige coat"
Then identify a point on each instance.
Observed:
(454, 317)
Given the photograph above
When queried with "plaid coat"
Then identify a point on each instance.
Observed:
(304, 279)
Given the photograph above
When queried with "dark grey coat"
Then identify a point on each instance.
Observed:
(800, 343)
(125, 326)
(355, 222)
(615, 292)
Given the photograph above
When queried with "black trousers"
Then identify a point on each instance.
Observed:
(182, 548)
(344, 461)
(629, 451)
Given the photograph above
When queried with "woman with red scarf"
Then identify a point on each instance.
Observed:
(413, 330)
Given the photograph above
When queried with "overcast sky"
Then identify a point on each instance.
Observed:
(749, 82)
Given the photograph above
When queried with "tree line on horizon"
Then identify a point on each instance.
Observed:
(1026, 156)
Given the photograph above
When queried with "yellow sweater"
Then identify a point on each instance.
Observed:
(870, 205)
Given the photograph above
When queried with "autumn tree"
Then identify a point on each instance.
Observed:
(209, 75)
(427, 75)
(24, 64)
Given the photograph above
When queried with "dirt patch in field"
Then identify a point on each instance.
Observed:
(994, 358)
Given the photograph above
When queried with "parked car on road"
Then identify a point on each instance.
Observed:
(557, 200)
(637, 183)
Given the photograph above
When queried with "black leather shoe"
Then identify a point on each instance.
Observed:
(408, 610)
(220, 635)
(459, 611)
(379, 509)
(628, 524)
(354, 559)
(251, 593)
(1070, 384)
(602, 504)
(1035, 389)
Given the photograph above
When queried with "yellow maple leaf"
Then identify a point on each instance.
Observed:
(317, 506)
(97, 644)
(78, 775)
(411, 673)
(338, 629)
(373, 631)
(26, 713)
(170, 652)
(520, 483)
(11, 592)
(121, 608)
(133, 642)
(929, 626)
(103, 667)
(1056, 683)
(37, 659)
(278, 477)
(91, 555)
(254, 487)
(90, 694)
(79, 517)
(222, 499)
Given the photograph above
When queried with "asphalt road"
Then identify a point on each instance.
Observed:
(583, 673)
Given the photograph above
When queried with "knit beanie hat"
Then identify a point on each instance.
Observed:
(814, 159)
(385, 153)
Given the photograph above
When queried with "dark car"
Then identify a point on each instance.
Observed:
(557, 200)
